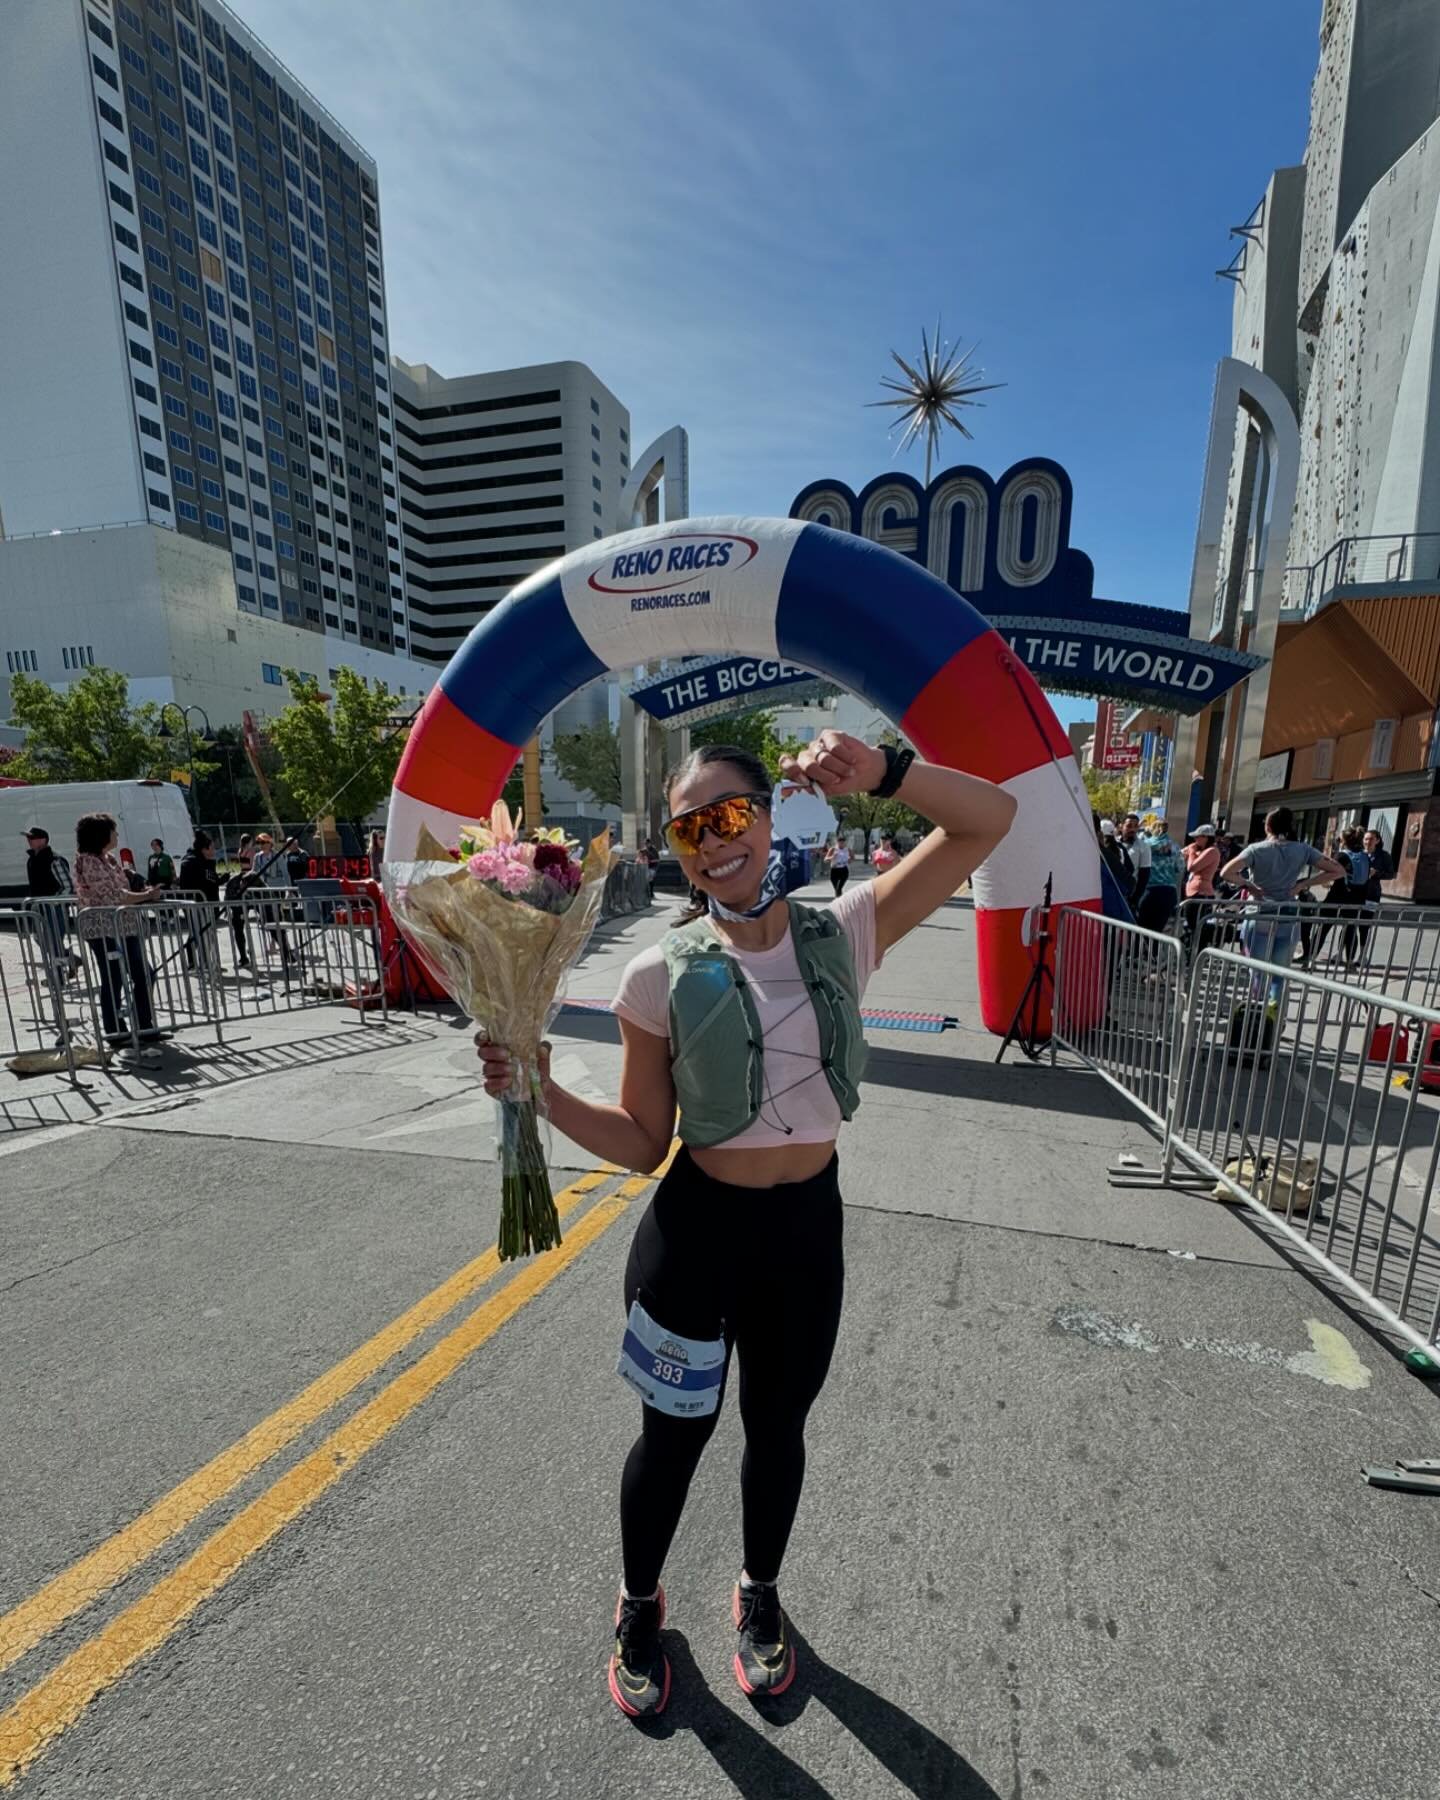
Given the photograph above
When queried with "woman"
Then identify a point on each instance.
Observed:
(1275, 871)
(1162, 892)
(740, 1249)
(108, 923)
(1202, 860)
(838, 857)
(886, 856)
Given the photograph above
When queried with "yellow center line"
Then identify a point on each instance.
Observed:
(66, 1593)
(58, 1700)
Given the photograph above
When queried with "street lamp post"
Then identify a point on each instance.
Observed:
(185, 712)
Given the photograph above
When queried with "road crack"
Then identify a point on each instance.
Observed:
(109, 1244)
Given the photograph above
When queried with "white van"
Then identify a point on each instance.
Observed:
(142, 809)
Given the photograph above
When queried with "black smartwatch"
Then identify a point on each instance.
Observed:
(897, 763)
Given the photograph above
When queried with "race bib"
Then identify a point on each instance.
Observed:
(674, 1374)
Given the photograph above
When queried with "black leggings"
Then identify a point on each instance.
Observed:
(764, 1268)
(839, 875)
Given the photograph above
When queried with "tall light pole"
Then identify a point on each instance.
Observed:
(185, 712)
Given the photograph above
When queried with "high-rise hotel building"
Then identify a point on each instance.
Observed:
(500, 473)
(192, 311)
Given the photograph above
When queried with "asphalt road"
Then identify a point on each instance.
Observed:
(1083, 1514)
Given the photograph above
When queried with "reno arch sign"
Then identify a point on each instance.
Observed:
(1005, 544)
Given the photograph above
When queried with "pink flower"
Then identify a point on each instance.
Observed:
(503, 866)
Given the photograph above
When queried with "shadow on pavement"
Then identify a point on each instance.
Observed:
(924, 1764)
(1016, 1083)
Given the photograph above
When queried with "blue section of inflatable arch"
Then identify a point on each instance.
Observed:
(529, 658)
(836, 587)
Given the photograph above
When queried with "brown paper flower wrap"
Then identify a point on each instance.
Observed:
(504, 959)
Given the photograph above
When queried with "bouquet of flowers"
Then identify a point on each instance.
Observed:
(500, 920)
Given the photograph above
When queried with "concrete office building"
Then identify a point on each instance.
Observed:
(1319, 540)
(192, 318)
(500, 473)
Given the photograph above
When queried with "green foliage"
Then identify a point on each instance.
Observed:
(752, 731)
(228, 789)
(1109, 794)
(339, 757)
(589, 761)
(89, 732)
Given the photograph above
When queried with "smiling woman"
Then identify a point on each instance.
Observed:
(746, 1018)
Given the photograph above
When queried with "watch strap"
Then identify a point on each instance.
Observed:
(897, 762)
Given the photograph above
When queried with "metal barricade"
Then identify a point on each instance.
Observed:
(1119, 1000)
(627, 890)
(1303, 1097)
(1392, 949)
(290, 950)
(77, 982)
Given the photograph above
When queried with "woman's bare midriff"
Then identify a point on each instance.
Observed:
(765, 1168)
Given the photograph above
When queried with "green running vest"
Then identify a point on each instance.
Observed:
(715, 1036)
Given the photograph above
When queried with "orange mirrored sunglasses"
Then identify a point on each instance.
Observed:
(728, 818)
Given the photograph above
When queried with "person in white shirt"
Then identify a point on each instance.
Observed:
(838, 857)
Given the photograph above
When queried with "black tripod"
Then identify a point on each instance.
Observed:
(1024, 1029)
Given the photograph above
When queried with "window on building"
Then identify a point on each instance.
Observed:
(188, 511)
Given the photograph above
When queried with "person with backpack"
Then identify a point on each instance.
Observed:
(47, 877)
(748, 1017)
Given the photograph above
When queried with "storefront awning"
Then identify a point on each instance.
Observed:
(1353, 663)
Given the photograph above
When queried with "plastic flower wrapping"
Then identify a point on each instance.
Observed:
(500, 920)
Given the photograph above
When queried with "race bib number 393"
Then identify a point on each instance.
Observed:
(674, 1374)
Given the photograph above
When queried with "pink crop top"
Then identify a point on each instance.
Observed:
(797, 1095)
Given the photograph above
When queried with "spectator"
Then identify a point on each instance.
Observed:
(245, 850)
(297, 862)
(1274, 871)
(109, 923)
(837, 857)
(199, 875)
(1138, 850)
(375, 850)
(1202, 860)
(270, 868)
(1356, 860)
(1382, 865)
(160, 870)
(1161, 896)
(650, 856)
(1116, 857)
(47, 877)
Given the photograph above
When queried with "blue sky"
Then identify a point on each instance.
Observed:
(732, 211)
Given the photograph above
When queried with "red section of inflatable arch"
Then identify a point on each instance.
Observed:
(984, 712)
(453, 764)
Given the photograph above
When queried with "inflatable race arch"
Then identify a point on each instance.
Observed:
(861, 615)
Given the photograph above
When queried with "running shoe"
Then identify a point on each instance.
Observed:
(765, 1659)
(639, 1668)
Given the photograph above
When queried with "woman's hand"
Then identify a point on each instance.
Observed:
(836, 764)
(499, 1066)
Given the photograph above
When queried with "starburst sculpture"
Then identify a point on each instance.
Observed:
(929, 397)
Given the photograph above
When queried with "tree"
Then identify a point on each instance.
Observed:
(752, 731)
(339, 757)
(89, 732)
(1109, 794)
(863, 812)
(228, 790)
(589, 761)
